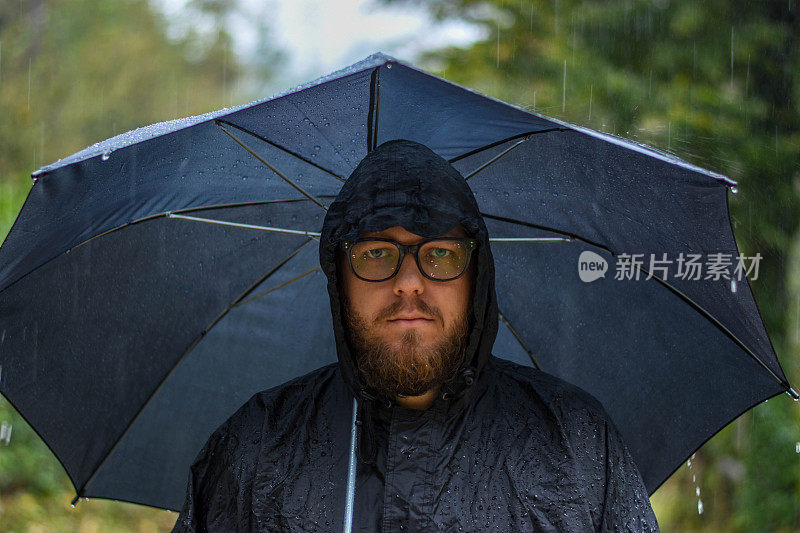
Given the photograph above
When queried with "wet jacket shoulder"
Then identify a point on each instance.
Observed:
(279, 434)
(580, 463)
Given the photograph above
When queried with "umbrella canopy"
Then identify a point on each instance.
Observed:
(155, 281)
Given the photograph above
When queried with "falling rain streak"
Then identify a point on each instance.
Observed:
(564, 89)
(30, 65)
(497, 61)
(731, 55)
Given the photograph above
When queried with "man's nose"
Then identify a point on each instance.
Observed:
(409, 280)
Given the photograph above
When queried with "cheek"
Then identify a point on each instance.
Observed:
(455, 301)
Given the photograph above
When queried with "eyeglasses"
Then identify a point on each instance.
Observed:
(439, 259)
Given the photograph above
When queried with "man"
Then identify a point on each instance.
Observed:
(449, 437)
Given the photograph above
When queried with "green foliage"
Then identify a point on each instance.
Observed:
(716, 83)
(68, 80)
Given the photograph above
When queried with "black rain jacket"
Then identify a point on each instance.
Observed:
(503, 448)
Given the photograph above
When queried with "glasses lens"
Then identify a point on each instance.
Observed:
(374, 260)
(444, 259)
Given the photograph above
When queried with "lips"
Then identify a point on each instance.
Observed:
(410, 320)
(410, 317)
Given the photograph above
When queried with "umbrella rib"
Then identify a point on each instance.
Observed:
(789, 390)
(519, 339)
(245, 226)
(317, 234)
(219, 122)
(194, 343)
(285, 283)
(527, 135)
(568, 236)
(495, 158)
(372, 117)
(530, 239)
(275, 170)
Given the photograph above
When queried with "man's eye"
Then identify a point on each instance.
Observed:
(440, 253)
(376, 253)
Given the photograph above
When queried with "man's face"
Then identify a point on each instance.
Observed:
(408, 333)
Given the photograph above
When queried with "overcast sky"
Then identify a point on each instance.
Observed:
(320, 36)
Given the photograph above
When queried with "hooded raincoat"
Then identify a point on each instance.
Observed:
(503, 448)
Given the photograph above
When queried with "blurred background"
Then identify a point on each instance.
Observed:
(716, 82)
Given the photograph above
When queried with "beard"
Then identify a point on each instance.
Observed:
(410, 367)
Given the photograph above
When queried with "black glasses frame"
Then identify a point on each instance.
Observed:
(470, 244)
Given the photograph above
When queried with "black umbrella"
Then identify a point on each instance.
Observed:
(155, 281)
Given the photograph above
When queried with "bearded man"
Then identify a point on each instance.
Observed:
(418, 427)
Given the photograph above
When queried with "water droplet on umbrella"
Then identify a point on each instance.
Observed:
(734, 190)
(106, 155)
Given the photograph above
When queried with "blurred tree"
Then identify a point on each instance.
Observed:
(716, 83)
(74, 72)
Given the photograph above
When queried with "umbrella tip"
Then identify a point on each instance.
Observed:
(793, 393)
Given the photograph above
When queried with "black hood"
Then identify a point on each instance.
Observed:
(404, 183)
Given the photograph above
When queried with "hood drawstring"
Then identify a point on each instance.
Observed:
(351, 474)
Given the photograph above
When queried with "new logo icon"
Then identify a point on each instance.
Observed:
(591, 266)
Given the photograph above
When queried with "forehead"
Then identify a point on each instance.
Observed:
(402, 235)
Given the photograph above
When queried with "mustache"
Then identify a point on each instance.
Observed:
(419, 305)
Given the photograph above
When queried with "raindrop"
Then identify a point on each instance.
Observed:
(797, 447)
(106, 155)
(564, 89)
(734, 190)
(733, 285)
(699, 506)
